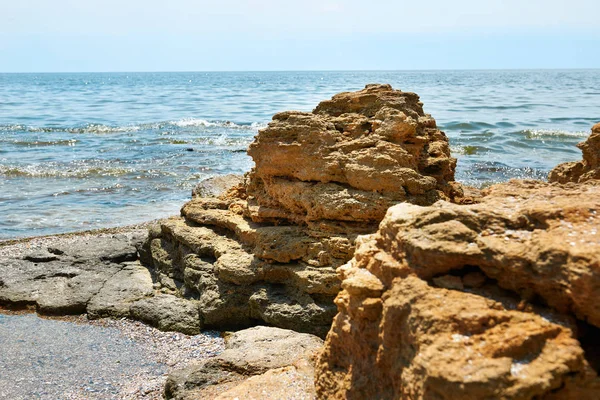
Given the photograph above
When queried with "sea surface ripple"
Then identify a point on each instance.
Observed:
(82, 151)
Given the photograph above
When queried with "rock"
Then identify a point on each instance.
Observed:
(490, 300)
(40, 257)
(200, 381)
(116, 296)
(581, 171)
(216, 185)
(72, 275)
(94, 274)
(266, 250)
(168, 313)
(111, 248)
(278, 307)
(260, 362)
(256, 350)
(56, 287)
(350, 159)
(291, 383)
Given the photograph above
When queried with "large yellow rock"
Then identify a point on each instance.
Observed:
(496, 300)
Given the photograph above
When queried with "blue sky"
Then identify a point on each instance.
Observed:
(188, 35)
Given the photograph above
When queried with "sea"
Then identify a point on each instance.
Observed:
(80, 151)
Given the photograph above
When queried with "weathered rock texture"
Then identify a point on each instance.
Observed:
(496, 300)
(95, 274)
(258, 363)
(266, 251)
(584, 170)
(72, 278)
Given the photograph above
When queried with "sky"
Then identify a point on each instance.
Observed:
(267, 35)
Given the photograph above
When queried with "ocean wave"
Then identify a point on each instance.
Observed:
(524, 106)
(40, 143)
(563, 119)
(38, 171)
(215, 141)
(108, 129)
(483, 174)
(116, 188)
(467, 150)
(540, 133)
(466, 126)
(89, 128)
(191, 122)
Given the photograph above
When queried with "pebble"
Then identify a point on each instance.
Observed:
(74, 358)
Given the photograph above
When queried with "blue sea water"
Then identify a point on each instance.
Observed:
(90, 150)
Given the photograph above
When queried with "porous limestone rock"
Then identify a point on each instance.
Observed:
(267, 249)
(495, 300)
(258, 363)
(584, 170)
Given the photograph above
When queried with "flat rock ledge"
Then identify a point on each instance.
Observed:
(98, 275)
(101, 275)
(265, 252)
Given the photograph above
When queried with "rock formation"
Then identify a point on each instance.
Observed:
(266, 251)
(584, 170)
(98, 274)
(496, 300)
(258, 363)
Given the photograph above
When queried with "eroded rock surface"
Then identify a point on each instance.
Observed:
(267, 249)
(584, 170)
(491, 300)
(95, 274)
(258, 363)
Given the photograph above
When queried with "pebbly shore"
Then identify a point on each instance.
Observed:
(73, 358)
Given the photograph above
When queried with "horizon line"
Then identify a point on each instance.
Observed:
(306, 70)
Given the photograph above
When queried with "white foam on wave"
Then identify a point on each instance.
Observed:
(108, 129)
(258, 125)
(54, 171)
(186, 122)
(538, 133)
(199, 122)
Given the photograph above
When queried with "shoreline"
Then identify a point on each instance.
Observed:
(97, 231)
(168, 350)
(11, 248)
